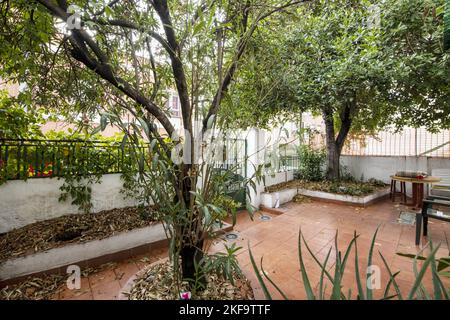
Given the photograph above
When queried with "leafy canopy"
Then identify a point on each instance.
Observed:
(387, 56)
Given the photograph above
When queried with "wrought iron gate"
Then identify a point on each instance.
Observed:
(235, 160)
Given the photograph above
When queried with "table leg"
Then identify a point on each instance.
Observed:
(391, 194)
(420, 200)
(414, 195)
(417, 189)
(403, 184)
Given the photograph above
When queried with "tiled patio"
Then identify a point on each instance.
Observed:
(277, 241)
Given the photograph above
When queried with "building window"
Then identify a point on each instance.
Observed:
(174, 106)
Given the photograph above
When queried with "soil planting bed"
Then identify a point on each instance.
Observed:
(74, 228)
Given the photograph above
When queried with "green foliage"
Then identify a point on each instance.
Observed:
(122, 65)
(79, 159)
(311, 164)
(354, 189)
(79, 188)
(333, 59)
(447, 26)
(317, 60)
(18, 121)
(348, 187)
(335, 276)
(396, 72)
(223, 264)
(227, 203)
(412, 33)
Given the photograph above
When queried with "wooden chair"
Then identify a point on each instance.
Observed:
(429, 212)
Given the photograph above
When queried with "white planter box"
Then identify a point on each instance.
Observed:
(363, 200)
(78, 252)
(269, 200)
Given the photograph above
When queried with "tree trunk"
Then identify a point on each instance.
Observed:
(333, 157)
(190, 257)
(191, 253)
(333, 154)
(335, 144)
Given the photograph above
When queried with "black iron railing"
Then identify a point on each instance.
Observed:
(20, 159)
(289, 163)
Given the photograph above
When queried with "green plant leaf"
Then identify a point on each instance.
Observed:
(391, 280)
(305, 278)
(103, 121)
(419, 277)
(322, 276)
(369, 294)
(258, 275)
(361, 295)
(273, 283)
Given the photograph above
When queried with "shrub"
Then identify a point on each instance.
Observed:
(353, 189)
(346, 175)
(311, 164)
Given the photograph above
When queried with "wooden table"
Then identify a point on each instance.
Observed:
(417, 188)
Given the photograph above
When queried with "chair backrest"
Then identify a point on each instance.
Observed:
(444, 174)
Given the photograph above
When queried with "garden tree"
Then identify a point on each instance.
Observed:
(338, 61)
(447, 26)
(414, 33)
(16, 122)
(124, 56)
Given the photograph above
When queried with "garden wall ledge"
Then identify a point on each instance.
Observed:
(25, 202)
(79, 253)
(118, 247)
(270, 200)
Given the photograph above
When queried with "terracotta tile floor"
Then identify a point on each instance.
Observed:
(276, 241)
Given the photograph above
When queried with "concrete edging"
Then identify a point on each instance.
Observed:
(269, 200)
(79, 252)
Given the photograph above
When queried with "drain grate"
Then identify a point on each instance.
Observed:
(408, 218)
(265, 218)
(231, 236)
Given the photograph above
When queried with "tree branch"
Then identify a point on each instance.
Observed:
(346, 122)
(79, 39)
(131, 25)
(110, 5)
(242, 44)
(177, 67)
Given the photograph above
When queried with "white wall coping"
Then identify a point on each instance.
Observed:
(343, 197)
(78, 252)
(269, 199)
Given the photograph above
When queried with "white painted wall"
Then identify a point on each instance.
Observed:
(381, 167)
(255, 152)
(279, 177)
(25, 202)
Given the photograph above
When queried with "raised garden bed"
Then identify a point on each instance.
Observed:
(156, 283)
(357, 193)
(70, 229)
(43, 287)
(115, 247)
(82, 239)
